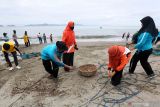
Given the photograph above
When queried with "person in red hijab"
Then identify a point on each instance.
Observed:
(119, 56)
(70, 41)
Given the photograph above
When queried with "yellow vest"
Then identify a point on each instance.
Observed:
(11, 49)
(25, 38)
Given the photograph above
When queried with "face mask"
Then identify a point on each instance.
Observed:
(72, 28)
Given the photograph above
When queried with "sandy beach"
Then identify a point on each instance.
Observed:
(91, 27)
(31, 87)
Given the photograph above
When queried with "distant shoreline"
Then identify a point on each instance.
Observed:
(79, 40)
(37, 25)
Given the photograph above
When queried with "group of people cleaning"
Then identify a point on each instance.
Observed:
(51, 54)
(44, 38)
(14, 38)
(119, 56)
(143, 41)
(26, 38)
(11, 46)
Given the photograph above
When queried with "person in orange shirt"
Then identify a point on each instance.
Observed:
(69, 39)
(119, 56)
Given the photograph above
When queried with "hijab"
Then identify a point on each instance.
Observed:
(148, 25)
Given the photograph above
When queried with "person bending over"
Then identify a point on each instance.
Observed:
(119, 56)
(9, 47)
(51, 58)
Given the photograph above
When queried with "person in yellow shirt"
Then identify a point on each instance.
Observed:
(26, 39)
(9, 47)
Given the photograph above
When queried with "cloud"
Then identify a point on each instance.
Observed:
(101, 12)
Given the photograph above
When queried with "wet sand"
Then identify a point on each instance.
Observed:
(31, 87)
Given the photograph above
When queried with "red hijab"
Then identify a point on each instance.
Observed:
(115, 54)
(69, 36)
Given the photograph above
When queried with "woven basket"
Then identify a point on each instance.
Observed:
(87, 70)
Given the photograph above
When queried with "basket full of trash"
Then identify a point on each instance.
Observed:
(87, 70)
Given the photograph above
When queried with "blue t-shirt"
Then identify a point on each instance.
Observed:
(48, 53)
(159, 34)
(144, 42)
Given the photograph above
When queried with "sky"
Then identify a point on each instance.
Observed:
(86, 12)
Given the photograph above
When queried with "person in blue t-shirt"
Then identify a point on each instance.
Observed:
(145, 37)
(51, 58)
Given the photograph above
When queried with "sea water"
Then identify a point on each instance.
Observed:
(83, 33)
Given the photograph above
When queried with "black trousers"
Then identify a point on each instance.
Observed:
(116, 79)
(51, 40)
(16, 42)
(68, 59)
(8, 60)
(27, 43)
(40, 40)
(143, 58)
(45, 40)
(51, 67)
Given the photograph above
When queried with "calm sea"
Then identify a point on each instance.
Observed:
(81, 31)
